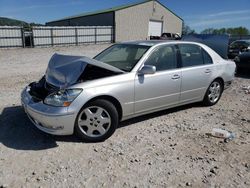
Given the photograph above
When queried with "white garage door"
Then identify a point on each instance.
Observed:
(154, 28)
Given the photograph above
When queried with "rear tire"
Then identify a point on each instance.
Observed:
(96, 121)
(213, 93)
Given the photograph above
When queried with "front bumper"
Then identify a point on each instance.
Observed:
(52, 120)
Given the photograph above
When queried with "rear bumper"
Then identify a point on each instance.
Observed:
(52, 120)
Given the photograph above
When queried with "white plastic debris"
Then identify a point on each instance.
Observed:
(246, 89)
(221, 133)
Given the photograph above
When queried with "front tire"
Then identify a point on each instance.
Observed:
(96, 121)
(213, 93)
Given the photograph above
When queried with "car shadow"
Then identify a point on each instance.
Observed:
(17, 132)
(157, 114)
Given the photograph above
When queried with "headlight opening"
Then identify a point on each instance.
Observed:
(62, 98)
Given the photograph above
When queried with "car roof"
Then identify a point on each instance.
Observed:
(151, 43)
(146, 42)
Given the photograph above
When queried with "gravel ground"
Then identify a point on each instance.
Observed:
(164, 149)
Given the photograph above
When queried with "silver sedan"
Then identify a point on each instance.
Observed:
(90, 97)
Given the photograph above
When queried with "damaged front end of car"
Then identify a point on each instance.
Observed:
(46, 102)
(64, 71)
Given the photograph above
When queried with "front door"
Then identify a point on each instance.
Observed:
(161, 89)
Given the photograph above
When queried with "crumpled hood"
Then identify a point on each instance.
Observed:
(65, 70)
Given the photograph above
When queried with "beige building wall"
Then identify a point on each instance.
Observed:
(132, 23)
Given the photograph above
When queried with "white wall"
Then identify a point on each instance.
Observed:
(132, 23)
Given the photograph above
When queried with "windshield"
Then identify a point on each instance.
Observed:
(122, 56)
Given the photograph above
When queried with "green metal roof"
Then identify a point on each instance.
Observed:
(112, 10)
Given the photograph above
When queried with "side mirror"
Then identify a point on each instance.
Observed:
(147, 69)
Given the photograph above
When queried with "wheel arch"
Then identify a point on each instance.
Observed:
(111, 99)
(221, 80)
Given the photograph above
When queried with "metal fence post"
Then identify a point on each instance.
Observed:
(52, 39)
(32, 38)
(23, 37)
(76, 36)
(95, 35)
(113, 34)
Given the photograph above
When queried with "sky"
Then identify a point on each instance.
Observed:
(198, 14)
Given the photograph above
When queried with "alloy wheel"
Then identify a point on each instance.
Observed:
(214, 92)
(94, 121)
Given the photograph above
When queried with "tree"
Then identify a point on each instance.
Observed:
(208, 31)
(230, 31)
(186, 30)
(13, 22)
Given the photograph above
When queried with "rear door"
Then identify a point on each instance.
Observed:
(197, 70)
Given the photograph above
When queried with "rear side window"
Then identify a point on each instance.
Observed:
(191, 55)
(206, 58)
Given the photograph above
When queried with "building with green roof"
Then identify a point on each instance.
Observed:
(137, 21)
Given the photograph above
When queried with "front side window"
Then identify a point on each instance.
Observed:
(163, 58)
(191, 55)
(122, 56)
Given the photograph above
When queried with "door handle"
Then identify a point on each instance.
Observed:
(175, 77)
(208, 71)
